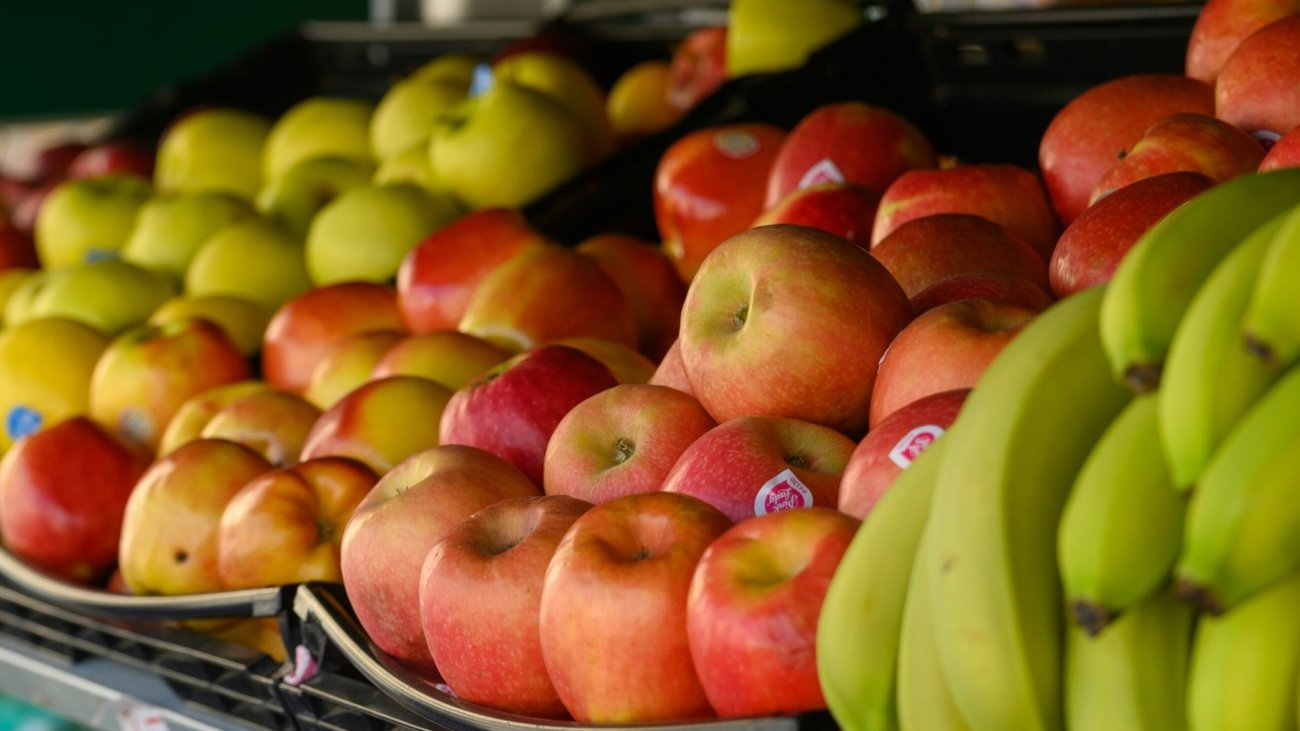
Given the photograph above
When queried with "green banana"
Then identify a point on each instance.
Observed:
(1017, 445)
(1246, 664)
(1243, 523)
(1272, 320)
(924, 703)
(858, 629)
(1210, 379)
(1134, 677)
(1158, 277)
(1123, 523)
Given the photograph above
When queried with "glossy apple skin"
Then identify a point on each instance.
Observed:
(480, 599)
(698, 67)
(272, 422)
(982, 285)
(193, 415)
(709, 186)
(753, 609)
(1185, 142)
(1256, 90)
(392, 530)
(380, 423)
(512, 410)
(847, 210)
(790, 321)
(623, 568)
(645, 275)
(1285, 153)
(622, 441)
(671, 371)
(626, 363)
(449, 357)
(63, 515)
(890, 447)
(1223, 24)
(1082, 140)
(347, 364)
(928, 249)
(1092, 247)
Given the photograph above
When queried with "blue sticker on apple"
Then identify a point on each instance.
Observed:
(22, 421)
(94, 255)
(482, 79)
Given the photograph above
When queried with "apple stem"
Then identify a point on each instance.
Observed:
(623, 451)
(738, 319)
(797, 460)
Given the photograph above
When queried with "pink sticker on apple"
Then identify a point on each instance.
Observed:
(783, 492)
(825, 171)
(913, 443)
(736, 144)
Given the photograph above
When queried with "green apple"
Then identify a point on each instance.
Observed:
(45, 369)
(11, 281)
(406, 113)
(88, 219)
(455, 68)
(255, 259)
(567, 83)
(364, 233)
(244, 322)
(218, 149)
(778, 35)
(295, 197)
(409, 166)
(109, 295)
(170, 227)
(505, 147)
(318, 127)
(18, 305)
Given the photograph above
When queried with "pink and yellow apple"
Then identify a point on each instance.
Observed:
(671, 371)
(193, 415)
(931, 248)
(347, 364)
(380, 423)
(1185, 142)
(1221, 25)
(1256, 89)
(449, 357)
(983, 285)
(649, 283)
(271, 422)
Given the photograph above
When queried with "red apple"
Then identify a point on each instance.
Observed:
(1185, 142)
(752, 612)
(512, 410)
(28, 207)
(844, 209)
(757, 465)
(622, 441)
(708, 187)
(391, 531)
(698, 67)
(890, 447)
(645, 275)
(984, 285)
(1285, 152)
(671, 371)
(1223, 24)
(273, 423)
(109, 158)
(63, 491)
(480, 599)
(945, 348)
(1257, 89)
(1085, 137)
(52, 162)
(380, 423)
(790, 321)
(849, 142)
(613, 610)
(928, 249)
(16, 248)
(436, 279)
(1092, 247)
(1005, 194)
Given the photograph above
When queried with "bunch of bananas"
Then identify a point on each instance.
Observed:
(1108, 538)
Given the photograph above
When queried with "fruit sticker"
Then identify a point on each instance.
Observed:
(783, 492)
(913, 443)
(22, 421)
(735, 144)
(825, 171)
(136, 425)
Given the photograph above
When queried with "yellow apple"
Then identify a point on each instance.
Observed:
(188, 422)
(88, 219)
(218, 149)
(456, 68)
(109, 295)
(11, 281)
(778, 35)
(293, 198)
(256, 260)
(638, 105)
(169, 228)
(624, 361)
(18, 305)
(381, 423)
(408, 166)
(271, 422)
(244, 322)
(449, 357)
(568, 83)
(348, 364)
(407, 111)
(318, 127)
(45, 370)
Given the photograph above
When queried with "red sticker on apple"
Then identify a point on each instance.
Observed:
(736, 144)
(783, 492)
(913, 443)
(825, 171)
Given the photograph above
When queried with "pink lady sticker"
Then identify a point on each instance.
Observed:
(783, 492)
(736, 144)
(825, 171)
(913, 443)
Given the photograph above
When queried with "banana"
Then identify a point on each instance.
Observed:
(1272, 320)
(1162, 272)
(924, 703)
(858, 629)
(1017, 446)
(1134, 677)
(1246, 664)
(1243, 522)
(1123, 523)
(1210, 378)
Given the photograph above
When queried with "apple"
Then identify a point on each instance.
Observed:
(221, 265)
(63, 490)
(12, 280)
(612, 620)
(698, 67)
(113, 157)
(188, 422)
(449, 357)
(928, 249)
(12, 190)
(365, 232)
(847, 210)
(638, 105)
(453, 67)
(1185, 142)
(1091, 248)
(285, 525)
(753, 608)
(294, 197)
(407, 111)
(21, 301)
(17, 249)
(399, 521)
(109, 295)
(480, 598)
(1221, 25)
(890, 447)
(52, 162)
(649, 283)
(1255, 89)
(755, 465)
(147, 372)
(847, 142)
(437, 278)
(318, 126)
(408, 166)
(773, 35)
(170, 228)
(1083, 139)
(273, 423)
(347, 364)
(28, 207)
(627, 365)
(512, 410)
(567, 82)
(169, 532)
(983, 285)
(790, 321)
(545, 293)
(671, 371)
(1005, 194)
(242, 321)
(1285, 152)
(45, 370)
(622, 441)
(216, 149)
(708, 186)
(88, 220)
(380, 423)
(944, 348)
(302, 330)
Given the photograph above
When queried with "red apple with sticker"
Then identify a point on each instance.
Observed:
(983, 285)
(844, 209)
(1256, 88)
(1221, 25)
(753, 610)
(380, 423)
(931, 248)
(645, 275)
